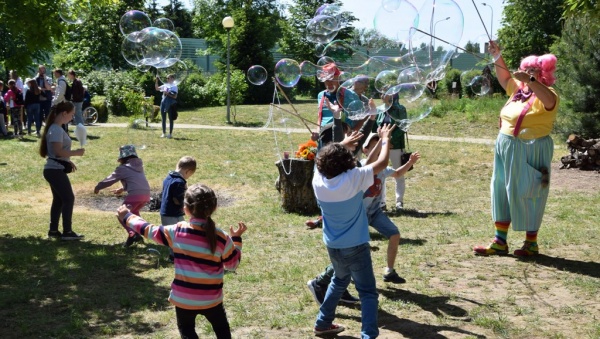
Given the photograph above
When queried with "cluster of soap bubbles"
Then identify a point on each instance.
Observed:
(152, 45)
(74, 11)
(406, 76)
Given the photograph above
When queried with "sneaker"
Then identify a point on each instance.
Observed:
(54, 234)
(169, 136)
(70, 235)
(314, 223)
(333, 329)
(317, 291)
(527, 250)
(393, 277)
(162, 135)
(348, 298)
(383, 207)
(132, 240)
(399, 206)
(492, 249)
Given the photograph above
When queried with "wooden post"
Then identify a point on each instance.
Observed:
(295, 186)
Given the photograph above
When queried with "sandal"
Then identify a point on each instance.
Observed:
(492, 249)
(312, 224)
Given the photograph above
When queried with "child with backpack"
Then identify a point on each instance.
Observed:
(14, 100)
(202, 254)
(131, 174)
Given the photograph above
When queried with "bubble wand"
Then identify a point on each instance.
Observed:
(294, 108)
(462, 49)
(486, 31)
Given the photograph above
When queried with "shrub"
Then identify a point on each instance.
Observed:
(118, 86)
(99, 103)
(189, 95)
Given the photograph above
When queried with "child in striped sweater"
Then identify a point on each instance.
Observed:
(202, 254)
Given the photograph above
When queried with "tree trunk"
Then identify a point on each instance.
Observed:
(295, 186)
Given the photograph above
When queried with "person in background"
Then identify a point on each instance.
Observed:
(77, 96)
(3, 112)
(32, 104)
(14, 106)
(60, 91)
(521, 177)
(395, 113)
(55, 146)
(169, 97)
(45, 84)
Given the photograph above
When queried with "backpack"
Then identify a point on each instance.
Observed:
(77, 91)
(19, 97)
(68, 90)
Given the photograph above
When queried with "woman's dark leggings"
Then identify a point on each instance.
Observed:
(186, 322)
(163, 115)
(63, 198)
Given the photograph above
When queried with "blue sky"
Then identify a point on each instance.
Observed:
(473, 30)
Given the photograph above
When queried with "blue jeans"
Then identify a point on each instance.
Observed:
(354, 262)
(165, 104)
(78, 113)
(33, 116)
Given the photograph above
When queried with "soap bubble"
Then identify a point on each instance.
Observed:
(132, 51)
(391, 5)
(307, 68)
(385, 80)
(157, 45)
(355, 105)
(287, 72)
(164, 23)
(408, 91)
(527, 136)
(176, 67)
(395, 25)
(133, 21)
(74, 11)
(480, 85)
(257, 75)
(411, 75)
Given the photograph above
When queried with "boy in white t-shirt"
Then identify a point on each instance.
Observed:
(339, 187)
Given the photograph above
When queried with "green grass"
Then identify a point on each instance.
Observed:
(97, 289)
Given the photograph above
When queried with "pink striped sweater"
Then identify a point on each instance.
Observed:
(198, 282)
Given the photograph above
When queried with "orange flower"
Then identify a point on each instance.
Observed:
(311, 143)
(310, 156)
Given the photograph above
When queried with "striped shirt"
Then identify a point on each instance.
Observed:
(198, 282)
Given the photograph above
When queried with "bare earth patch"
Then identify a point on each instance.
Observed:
(574, 179)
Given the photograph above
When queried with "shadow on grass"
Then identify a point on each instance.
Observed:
(588, 268)
(403, 241)
(74, 289)
(436, 305)
(408, 328)
(409, 212)
(248, 124)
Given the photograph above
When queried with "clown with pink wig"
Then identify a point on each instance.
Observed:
(523, 151)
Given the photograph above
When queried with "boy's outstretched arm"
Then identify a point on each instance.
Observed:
(384, 156)
(400, 171)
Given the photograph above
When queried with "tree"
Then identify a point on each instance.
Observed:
(26, 34)
(371, 39)
(578, 76)
(581, 7)
(153, 11)
(529, 27)
(293, 42)
(253, 36)
(79, 49)
(472, 47)
(181, 18)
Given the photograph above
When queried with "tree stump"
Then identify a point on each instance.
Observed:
(295, 186)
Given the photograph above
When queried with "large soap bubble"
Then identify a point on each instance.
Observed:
(257, 75)
(385, 80)
(134, 21)
(287, 72)
(132, 51)
(158, 45)
(74, 11)
(395, 25)
(480, 85)
(307, 68)
(164, 23)
(351, 98)
(177, 68)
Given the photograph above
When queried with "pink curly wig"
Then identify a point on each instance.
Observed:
(545, 63)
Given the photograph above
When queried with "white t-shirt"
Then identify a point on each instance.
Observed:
(345, 222)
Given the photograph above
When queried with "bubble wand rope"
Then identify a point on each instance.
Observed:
(272, 120)
(486, 31)
(462, 49)
(289, 102)
(304, 120)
